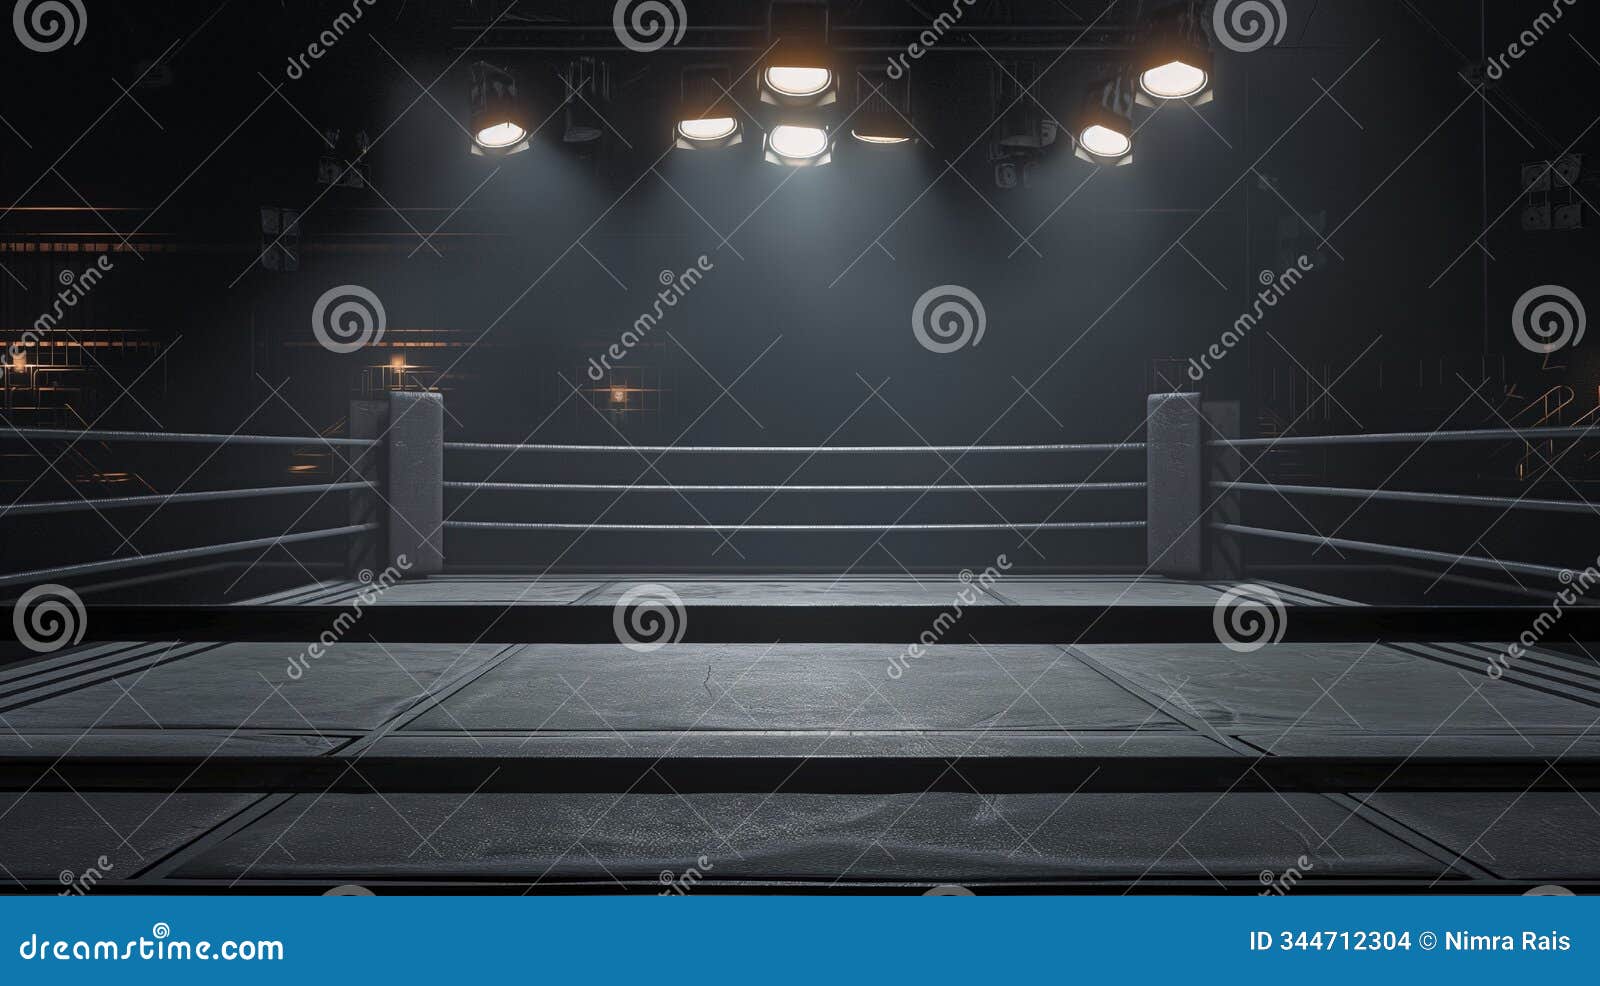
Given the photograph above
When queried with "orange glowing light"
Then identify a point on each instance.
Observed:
(619, 395)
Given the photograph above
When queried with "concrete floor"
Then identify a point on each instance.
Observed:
(963, 699)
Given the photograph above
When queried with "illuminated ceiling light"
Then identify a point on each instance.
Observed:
(883, 109)
(798, 69)
(1104, 126)
(1176, 79)
(498, 119)
(708, 130)
(500, 135)
(798, 146)
(1173, 60)
(705, 117)
(798, 81)
(1105, 142)
(588, 85)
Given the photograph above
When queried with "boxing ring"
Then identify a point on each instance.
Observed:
(419, 726)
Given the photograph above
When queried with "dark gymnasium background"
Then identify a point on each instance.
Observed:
(248, 219)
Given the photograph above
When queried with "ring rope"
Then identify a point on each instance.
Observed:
(1095, 525)
(1470, 561)
(657, 488)
(1407, 496)
(794, 449)
(161, 499)
(182, 554)
(177, 437)
(1396, 437)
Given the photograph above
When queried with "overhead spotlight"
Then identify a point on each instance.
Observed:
(705, 118)
(799, 146)
(798, 70)
(1022, 131)
(1173, 60)
(883, 108)
(1022, 126)
(588, 84)
(1104, 125)
(498, 119)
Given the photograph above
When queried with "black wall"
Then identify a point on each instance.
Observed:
(1130, 272)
